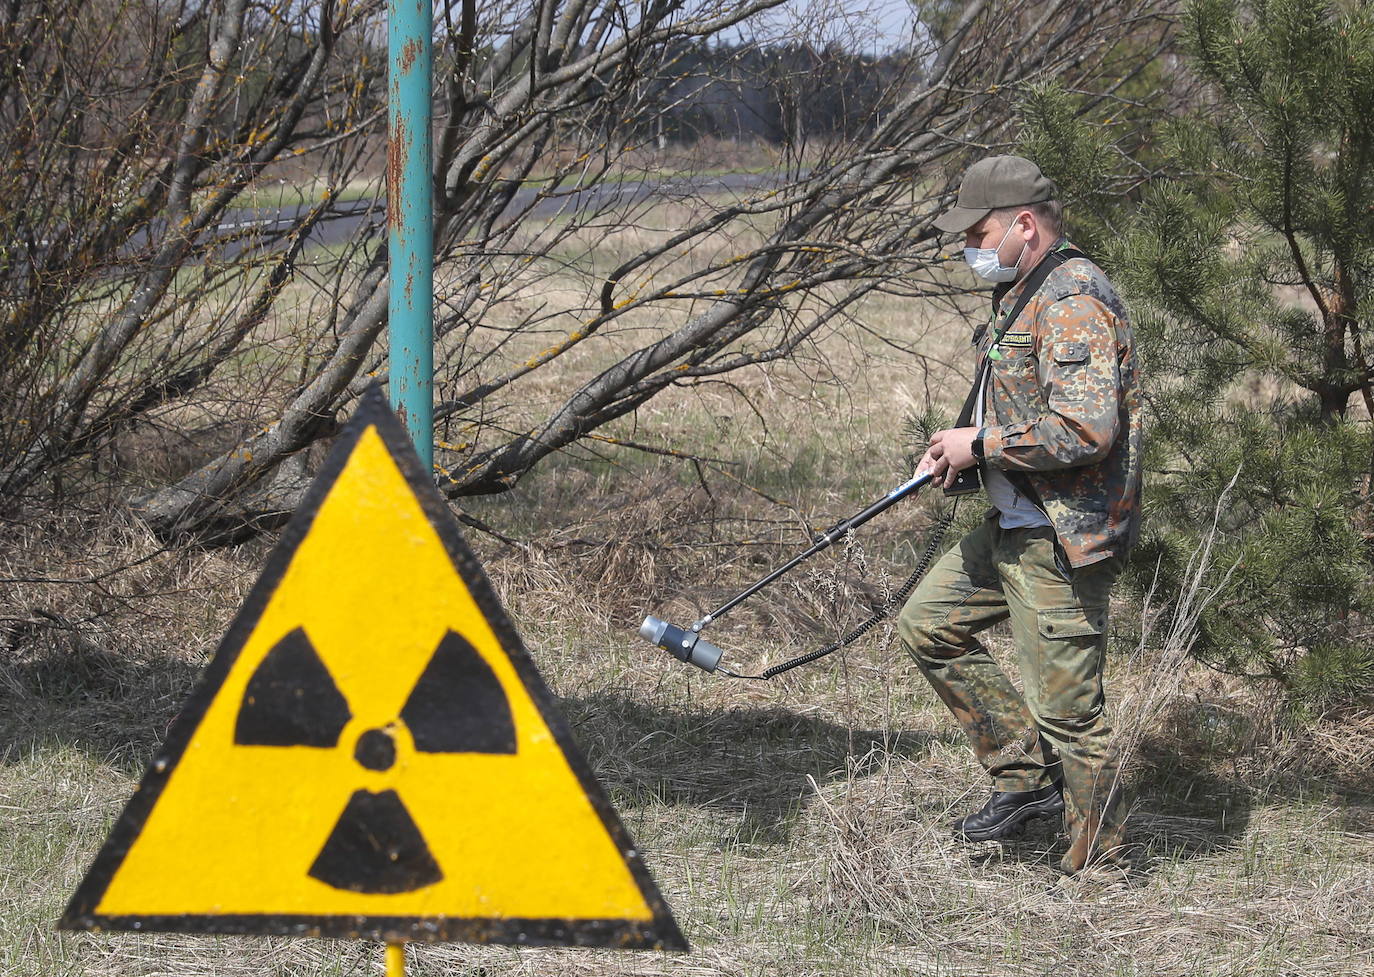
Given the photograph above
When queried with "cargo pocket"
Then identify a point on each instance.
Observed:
(1071, 370)
(1018, 367)
(1016, 380)
(1071, 622)
(1071, 644)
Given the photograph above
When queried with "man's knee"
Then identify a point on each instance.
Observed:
(928, 633)
(1069, 712)
(952, 603)
(1071, 727)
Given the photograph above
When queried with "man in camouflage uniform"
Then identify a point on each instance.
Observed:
(1056, 436)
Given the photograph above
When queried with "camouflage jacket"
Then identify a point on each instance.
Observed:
(1062, 410)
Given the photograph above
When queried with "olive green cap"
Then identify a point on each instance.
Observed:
(991, 184)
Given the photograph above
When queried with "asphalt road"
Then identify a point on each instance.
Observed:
(358, 215)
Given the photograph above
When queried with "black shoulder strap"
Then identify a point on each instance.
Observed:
(1034, 282)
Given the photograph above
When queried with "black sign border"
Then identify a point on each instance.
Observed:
(659, 933)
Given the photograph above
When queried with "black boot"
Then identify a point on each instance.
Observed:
(1007, 811)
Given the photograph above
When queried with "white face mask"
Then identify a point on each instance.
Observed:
(986, 264)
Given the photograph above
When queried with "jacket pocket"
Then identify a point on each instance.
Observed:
(1017, 372)
(1067, 354)
(1015, 389)
(1070, 374)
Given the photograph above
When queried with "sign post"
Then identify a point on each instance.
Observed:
(371, 754)
(395, 960)
(410, 243)
(410, 220)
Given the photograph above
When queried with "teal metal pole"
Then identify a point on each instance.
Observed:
(410, 219)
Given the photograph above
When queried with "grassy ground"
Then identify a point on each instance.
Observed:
(795, 827)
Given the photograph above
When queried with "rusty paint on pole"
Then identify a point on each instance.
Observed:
(410, 220)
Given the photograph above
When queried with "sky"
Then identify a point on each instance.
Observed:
(859, 25)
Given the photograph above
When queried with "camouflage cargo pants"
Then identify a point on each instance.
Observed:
(1058, 622)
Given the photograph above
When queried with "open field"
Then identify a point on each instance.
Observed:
(795, 827)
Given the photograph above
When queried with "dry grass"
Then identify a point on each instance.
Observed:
(796, 827)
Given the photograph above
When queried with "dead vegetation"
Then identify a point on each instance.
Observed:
(796, 827)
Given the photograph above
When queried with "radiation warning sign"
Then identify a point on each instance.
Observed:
(371, 752)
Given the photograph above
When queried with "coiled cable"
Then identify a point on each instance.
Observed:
(897, 599)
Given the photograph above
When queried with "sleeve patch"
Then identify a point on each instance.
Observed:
(1068, 353)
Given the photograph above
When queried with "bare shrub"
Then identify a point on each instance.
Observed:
(135, 299)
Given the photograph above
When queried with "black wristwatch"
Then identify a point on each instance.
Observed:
(977, 445)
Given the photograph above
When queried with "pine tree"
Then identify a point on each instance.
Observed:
(1251, 277)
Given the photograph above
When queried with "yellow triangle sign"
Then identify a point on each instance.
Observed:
(371, 752)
